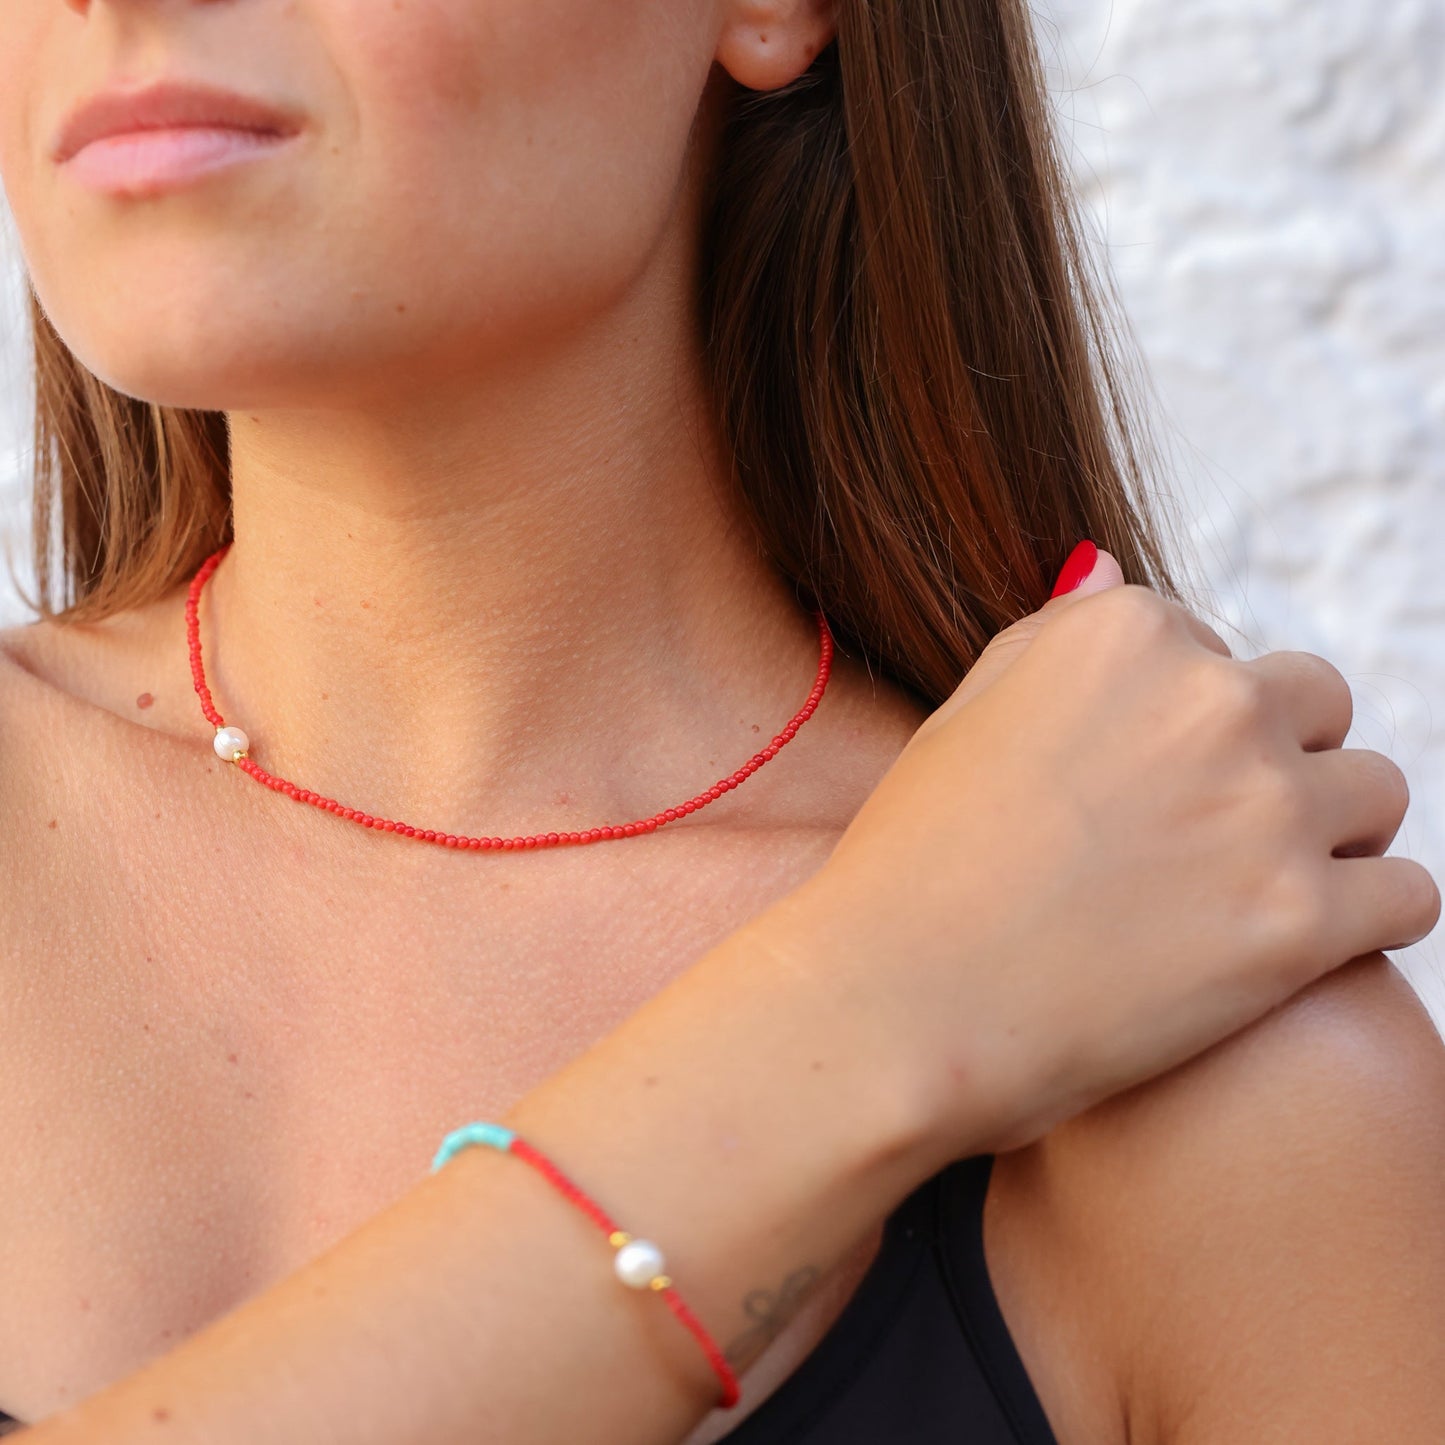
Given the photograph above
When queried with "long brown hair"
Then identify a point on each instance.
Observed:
(919, 367)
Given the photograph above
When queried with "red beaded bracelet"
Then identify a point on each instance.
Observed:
(638, 1262)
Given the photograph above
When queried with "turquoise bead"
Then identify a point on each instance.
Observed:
(497, 1136)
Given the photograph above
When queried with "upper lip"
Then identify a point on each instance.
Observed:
(164, 103)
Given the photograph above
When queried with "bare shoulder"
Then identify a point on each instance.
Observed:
(62, 761)
(35, 665)
(18, 683)
(32, 746)
(63, 680)
(79, 660)
(1252, 1247)
(42, 663)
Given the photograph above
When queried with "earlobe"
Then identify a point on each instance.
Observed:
(765, 44)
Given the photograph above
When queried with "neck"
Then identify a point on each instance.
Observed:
(523, 601)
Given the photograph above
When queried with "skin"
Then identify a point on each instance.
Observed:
(489, 576)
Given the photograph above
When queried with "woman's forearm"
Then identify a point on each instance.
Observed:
(749, 1144)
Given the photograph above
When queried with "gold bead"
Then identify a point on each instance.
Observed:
(660, 1281)
(618, 1238)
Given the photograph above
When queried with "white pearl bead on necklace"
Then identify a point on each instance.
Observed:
(230, 743)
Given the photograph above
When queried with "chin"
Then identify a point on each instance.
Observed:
(197, 361)
(167, 381)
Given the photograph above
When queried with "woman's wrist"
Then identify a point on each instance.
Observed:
(753, 1144)
(940, 1102)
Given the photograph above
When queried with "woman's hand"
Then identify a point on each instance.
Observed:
(1113, 846)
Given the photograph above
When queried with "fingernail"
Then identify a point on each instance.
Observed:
(1080, 564)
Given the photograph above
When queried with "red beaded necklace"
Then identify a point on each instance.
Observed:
(233, 745)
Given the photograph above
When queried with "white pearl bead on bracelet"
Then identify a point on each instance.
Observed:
(638, 1262)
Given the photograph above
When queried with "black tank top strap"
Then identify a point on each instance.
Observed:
(963, 1190)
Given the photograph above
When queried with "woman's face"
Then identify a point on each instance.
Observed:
(468, 175)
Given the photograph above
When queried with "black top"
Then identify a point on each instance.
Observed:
(920, 1354)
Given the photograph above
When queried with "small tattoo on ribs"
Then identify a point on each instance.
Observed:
(769, 1313)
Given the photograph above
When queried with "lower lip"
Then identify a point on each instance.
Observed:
(146, 162)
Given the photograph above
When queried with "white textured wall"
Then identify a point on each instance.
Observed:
(1270, 183)
(15, 400)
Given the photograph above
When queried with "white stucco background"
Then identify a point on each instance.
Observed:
(1269, 182)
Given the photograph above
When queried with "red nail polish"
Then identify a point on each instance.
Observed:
(1080, 564)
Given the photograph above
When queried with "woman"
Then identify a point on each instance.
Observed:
(431, 355)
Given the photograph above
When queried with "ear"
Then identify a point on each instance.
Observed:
(764, 44)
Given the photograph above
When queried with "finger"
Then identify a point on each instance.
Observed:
(1363, 795)
(1379, 903)
(1314, 694)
